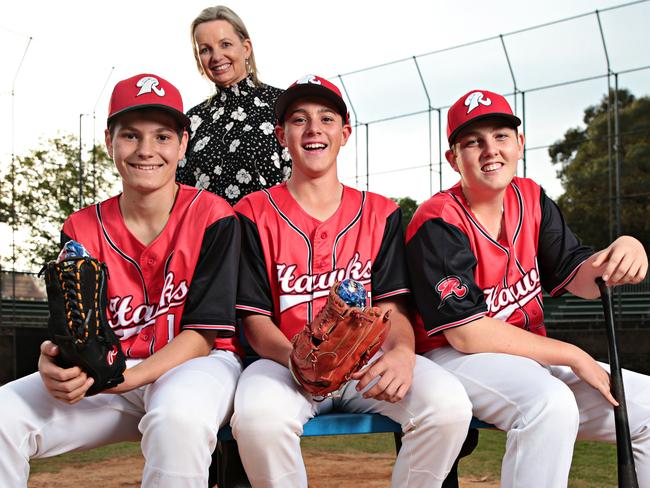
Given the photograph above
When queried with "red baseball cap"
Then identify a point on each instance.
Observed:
(311, 86)
(146, 91)
(477, 105)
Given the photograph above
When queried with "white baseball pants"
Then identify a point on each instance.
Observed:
(270, 413)
(544, 410)
(177, 417)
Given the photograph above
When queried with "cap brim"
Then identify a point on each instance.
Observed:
(513, 119)
(180, 117)
(305, 90)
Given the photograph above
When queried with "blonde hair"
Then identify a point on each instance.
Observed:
(221, 12)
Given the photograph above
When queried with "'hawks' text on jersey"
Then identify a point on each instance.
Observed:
(290, 260)
(185, 279)
(459, 273)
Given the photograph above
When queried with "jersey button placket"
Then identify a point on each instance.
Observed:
(321, 250)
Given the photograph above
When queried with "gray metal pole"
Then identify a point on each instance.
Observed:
(610, 141)
(523, 128)
(429, 109)
(439, 149)
(617, 156)
(13, 171)
(81, 168)
(609, 128)
(367, 158)
(512, 73)
(356, 156)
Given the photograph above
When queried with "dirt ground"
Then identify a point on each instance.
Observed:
(324, 470)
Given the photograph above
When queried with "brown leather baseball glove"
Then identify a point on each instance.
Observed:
(339, 342)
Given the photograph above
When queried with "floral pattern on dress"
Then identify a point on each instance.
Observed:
(203, 181)
(195, 121)
(233, 131)
(218, 113)
(267, 128)
(243, 176)
(275, 157)
(201, 143)
(232, 192)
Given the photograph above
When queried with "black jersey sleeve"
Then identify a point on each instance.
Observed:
(389, 272)
(559, 251)
(210, 303)
(254, 292)
(441, 264)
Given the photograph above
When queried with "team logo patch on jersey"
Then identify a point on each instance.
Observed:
(449, 287)
(474, 99)
(149, 84)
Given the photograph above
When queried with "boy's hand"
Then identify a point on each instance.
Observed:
(624, 261)
(587, 369)
(68, 385)
(395, 371)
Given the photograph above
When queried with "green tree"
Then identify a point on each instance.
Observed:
(408, 206)
(46, 190)
(582, 156)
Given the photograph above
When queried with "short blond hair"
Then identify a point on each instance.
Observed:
(221, 12)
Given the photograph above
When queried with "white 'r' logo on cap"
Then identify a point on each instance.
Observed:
(473, 100)
(308, 79)
(149, 84)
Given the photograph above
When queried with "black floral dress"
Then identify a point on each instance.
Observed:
(233, 150)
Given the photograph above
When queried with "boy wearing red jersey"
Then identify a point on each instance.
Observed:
(298, 239)
(172, 253)
(479, 255)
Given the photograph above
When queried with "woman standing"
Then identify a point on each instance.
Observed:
(232, 150)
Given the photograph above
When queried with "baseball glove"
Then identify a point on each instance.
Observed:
(76, 296)
(339, 342)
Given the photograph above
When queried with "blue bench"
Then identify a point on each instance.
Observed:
(228, 472)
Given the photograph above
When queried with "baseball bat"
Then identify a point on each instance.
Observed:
(626, 472)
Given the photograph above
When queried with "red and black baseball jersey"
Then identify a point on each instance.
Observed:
(290, 260)
(185, 279)
(459, 273)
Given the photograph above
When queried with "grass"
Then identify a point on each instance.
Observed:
(54, 464)
(594, 463)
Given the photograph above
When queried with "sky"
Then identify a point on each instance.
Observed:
(80, 49)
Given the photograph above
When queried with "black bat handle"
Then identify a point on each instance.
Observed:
(626, 472)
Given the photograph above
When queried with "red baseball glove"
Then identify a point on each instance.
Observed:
(339, 342)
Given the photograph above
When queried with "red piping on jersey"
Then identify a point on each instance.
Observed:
(246, 308)
(195, 198)
(457, 323)
(356, 219)
(121, 253)
(478, 226)
(559, 287)
(209, 327)
(305, 238)
(401, 291)
(520, 220)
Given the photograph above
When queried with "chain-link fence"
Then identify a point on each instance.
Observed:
(550, 73)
